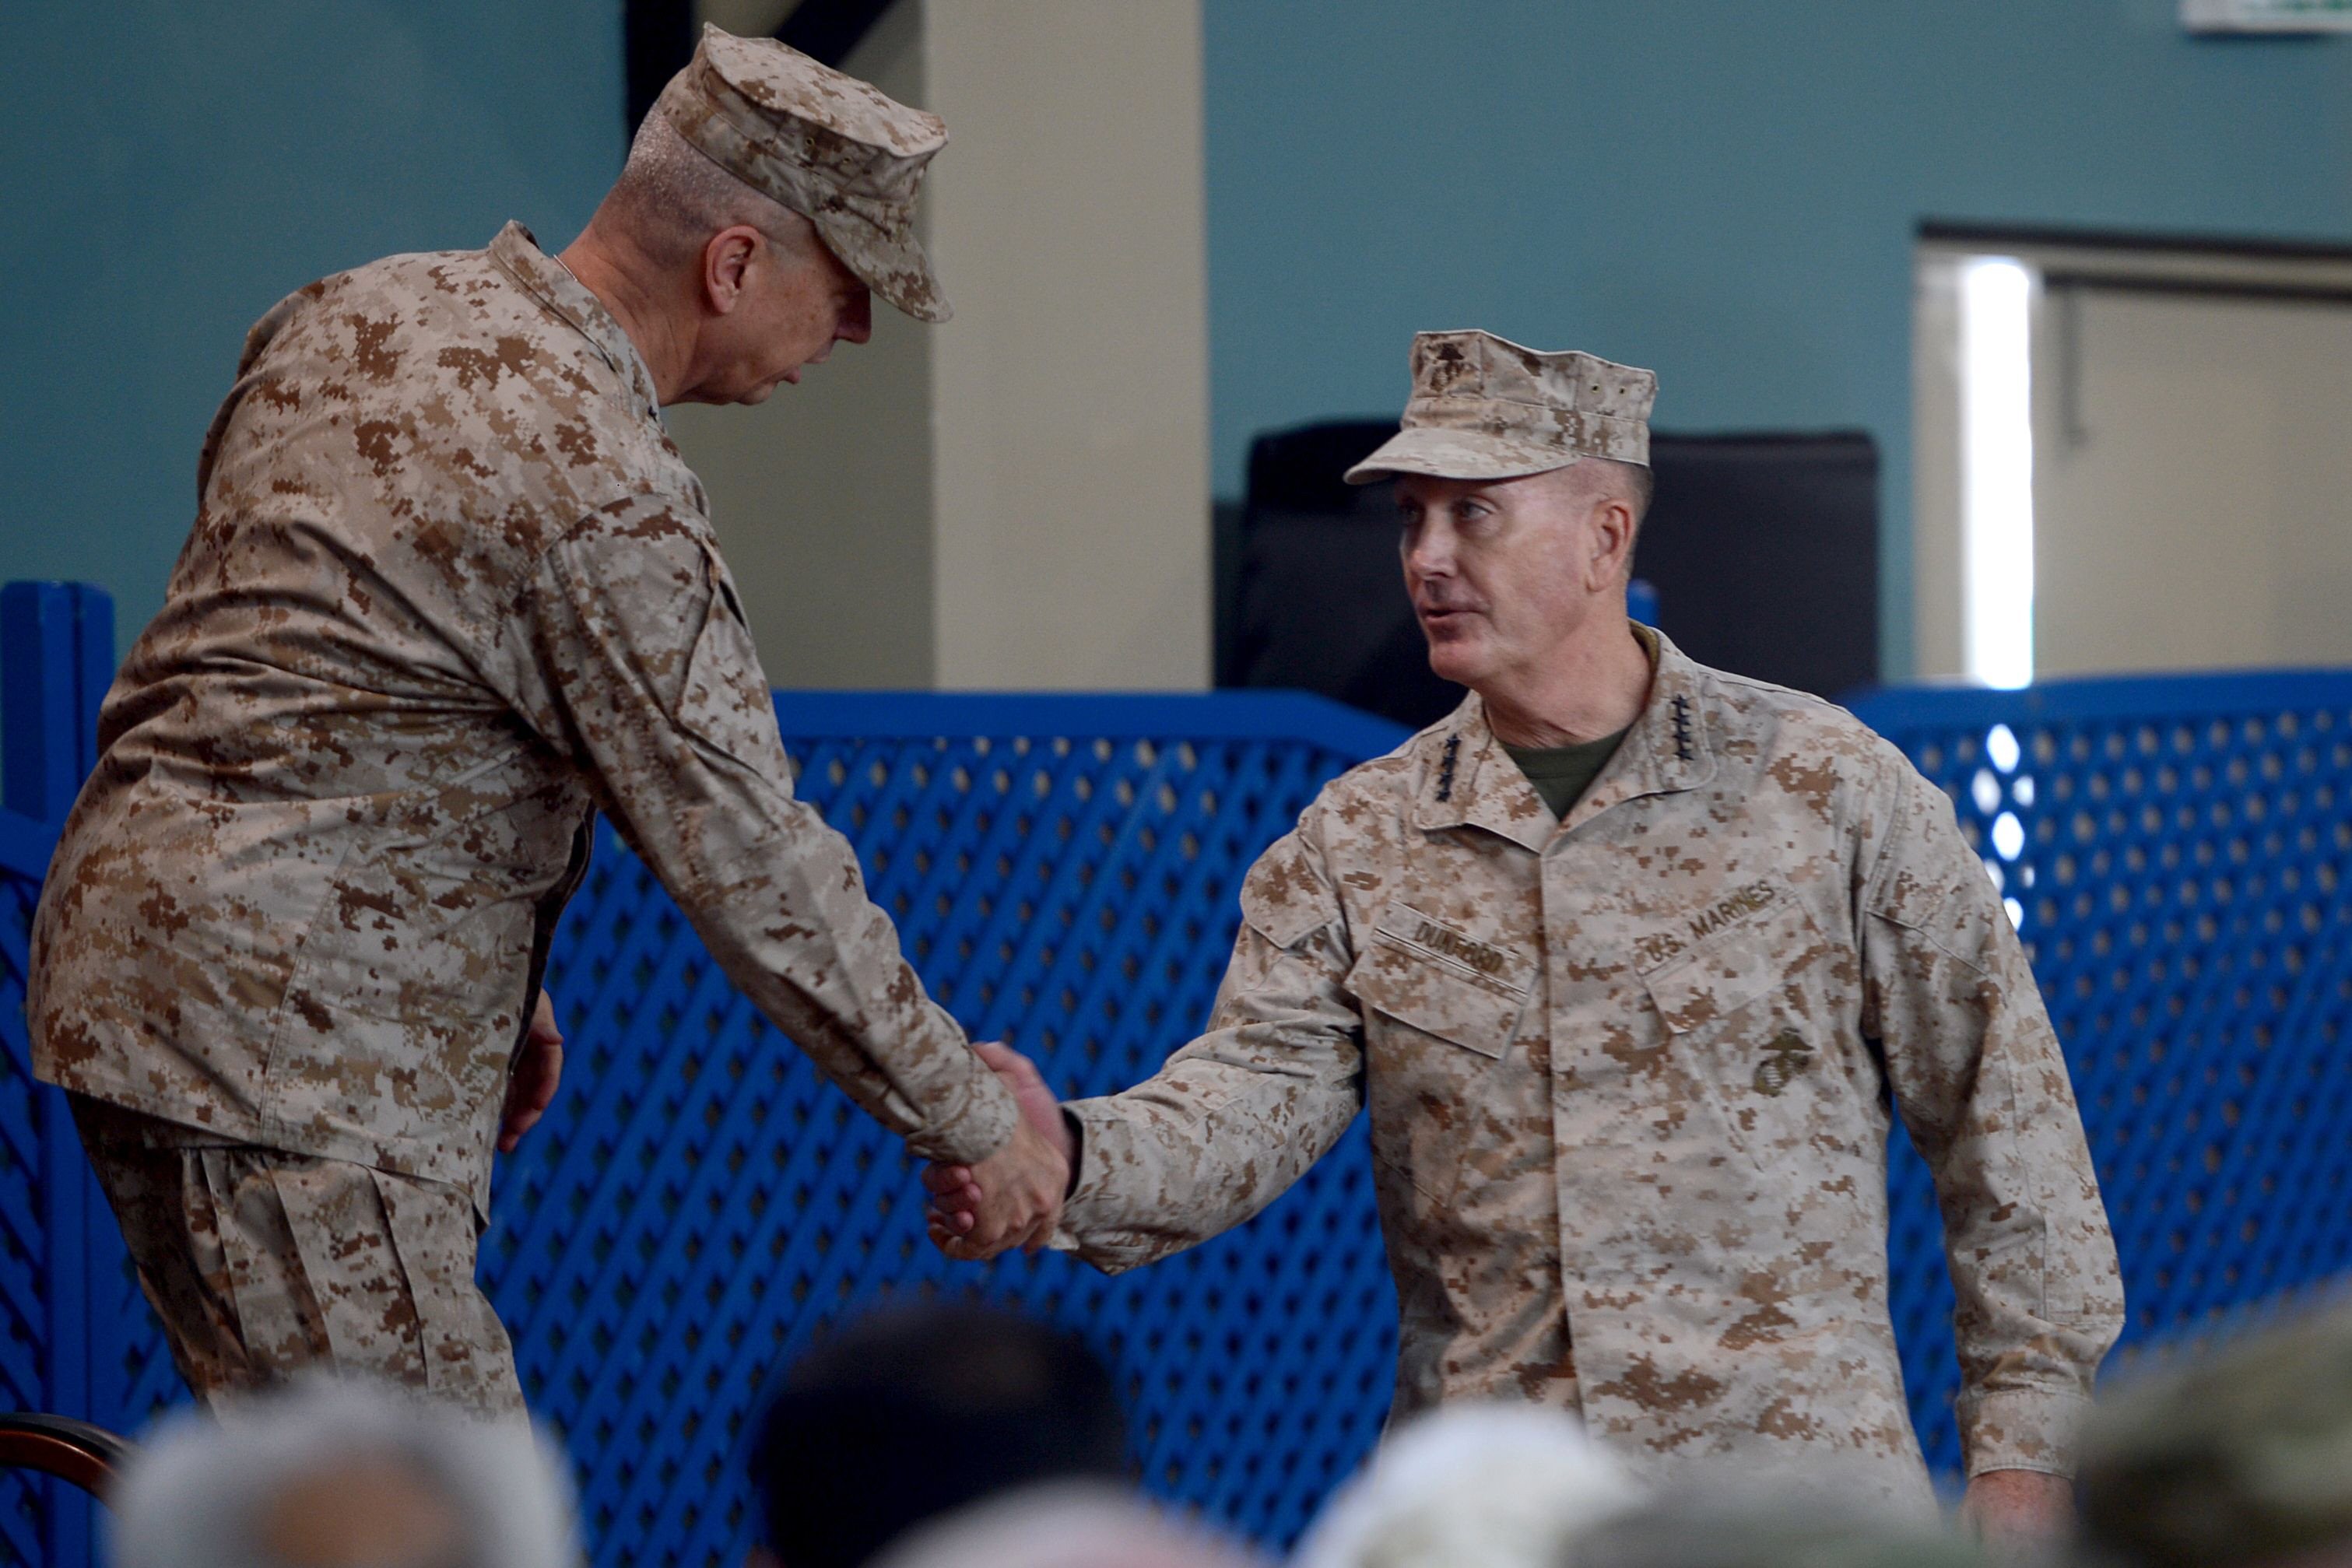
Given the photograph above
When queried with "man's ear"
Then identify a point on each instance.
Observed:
(726, 263)
(1612, 543)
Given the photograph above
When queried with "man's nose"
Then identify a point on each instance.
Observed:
(857, 322)
(1429, 552)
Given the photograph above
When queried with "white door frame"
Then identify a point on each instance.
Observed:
(2061, 263)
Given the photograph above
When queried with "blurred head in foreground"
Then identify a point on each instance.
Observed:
(2240, 1459)
(915, 1412)
(1066, 1525)
(1478, 1486)
(1679, 1533)
(342, 1475)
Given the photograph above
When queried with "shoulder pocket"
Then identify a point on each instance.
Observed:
(1740, 964)
(1283, 898)
(1441, 980)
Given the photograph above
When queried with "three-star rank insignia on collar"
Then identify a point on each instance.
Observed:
(1445, 768)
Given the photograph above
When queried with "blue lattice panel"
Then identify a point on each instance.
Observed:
(24, 1285)
(701, 1202)
(132, 1378)
(2173, 851)
(106, 1340)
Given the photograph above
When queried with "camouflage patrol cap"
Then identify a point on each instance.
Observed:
(840, 152)
(2241, 1458)
(1485, 408)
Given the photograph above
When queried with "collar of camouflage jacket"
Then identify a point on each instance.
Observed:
(1469, 780)
(550, 283)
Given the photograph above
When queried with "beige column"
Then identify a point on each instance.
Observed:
(1071, 415)
(822, 495)
(1018, 499)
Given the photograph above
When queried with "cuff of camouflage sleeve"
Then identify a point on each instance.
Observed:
(978, 1122)
(1098, 1130)
(2021, 1429)
(1090, 1229)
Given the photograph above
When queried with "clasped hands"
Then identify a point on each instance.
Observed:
(1014, 1197)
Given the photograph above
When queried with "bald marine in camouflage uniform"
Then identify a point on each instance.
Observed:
(1626, 955)
(450, 591)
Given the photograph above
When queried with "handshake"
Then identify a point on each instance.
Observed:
(1014, 1197)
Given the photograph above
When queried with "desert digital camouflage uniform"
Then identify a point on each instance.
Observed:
(450, 590)
(260, 1261)
(1628, 1073)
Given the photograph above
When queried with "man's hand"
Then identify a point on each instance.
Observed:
(2017, 1507)
(538, 1065)
(965, 1220)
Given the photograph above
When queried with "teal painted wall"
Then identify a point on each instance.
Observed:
(173, 169)
(1723, 189)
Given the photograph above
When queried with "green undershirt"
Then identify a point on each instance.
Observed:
(1561, 774)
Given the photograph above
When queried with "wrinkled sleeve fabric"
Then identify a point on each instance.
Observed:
(635, 660)
(1237, 1115)
(1981, 1084)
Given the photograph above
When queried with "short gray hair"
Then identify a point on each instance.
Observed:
(206, 1493)
(673, 199)
(1506, 1486)
(1634, 482)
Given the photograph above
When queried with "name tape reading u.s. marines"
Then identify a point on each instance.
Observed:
(1658, 947)
(1733, 907)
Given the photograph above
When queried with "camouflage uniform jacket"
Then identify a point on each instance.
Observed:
(1628, 1076)
(450, 590)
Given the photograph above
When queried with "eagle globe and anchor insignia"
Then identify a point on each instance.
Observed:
(1784, 1059)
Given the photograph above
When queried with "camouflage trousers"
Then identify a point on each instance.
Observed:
(261, 1262)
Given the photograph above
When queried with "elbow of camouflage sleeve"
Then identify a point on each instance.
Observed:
(2020, 1429)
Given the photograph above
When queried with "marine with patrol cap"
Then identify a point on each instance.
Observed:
(1626, 956)
(451, 590)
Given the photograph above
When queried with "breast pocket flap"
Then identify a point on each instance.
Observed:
(1725, 974)
(1441, 980)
